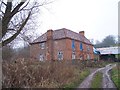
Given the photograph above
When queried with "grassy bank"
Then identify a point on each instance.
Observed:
(81, 76)
(115, 75)
(97, 80)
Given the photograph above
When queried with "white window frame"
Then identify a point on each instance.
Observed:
(60, 55)
(41, 57)
(88, 48)
(42, 45)
(81, 57)
(88, 56)
(73, 55)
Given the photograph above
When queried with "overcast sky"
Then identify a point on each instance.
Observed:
(98, 18)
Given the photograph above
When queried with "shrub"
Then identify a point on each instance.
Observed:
(32, 73)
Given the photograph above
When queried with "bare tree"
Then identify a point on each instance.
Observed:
(15, 15)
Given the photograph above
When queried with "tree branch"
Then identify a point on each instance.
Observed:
(17, 33)
(8, 15)
(16, 9)
(24, 6)
(4, 3)
(2, 12)
(6, 18)
(35, 6)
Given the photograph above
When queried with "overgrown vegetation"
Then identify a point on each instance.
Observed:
(32, 73)
(115, 75)
(81, 77)
(8, 53)
(97, 80)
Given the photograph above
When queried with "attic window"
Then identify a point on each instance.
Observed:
(42, 45)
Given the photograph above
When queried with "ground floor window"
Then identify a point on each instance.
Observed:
(73, 55)
(88, 56)
(41, 57)
(60, 55)
(81, 57)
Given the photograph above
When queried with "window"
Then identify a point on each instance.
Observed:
(41, 58)
(88, 56)
(42, 45)
(73, 44)
(60, 55)
(81, 46)
(81, 57)
(73, 55)
(88, 48)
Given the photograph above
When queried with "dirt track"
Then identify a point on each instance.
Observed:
(107, 82)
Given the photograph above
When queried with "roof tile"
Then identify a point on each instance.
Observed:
(63, 33)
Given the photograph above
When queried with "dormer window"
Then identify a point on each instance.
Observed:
(42, 45)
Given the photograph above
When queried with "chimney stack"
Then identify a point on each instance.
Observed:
(81, 33)
(50, 34)
(49, 44)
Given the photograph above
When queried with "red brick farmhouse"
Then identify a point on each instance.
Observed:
(61, 44)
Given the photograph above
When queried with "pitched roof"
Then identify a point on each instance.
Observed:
(109, 50)
(63, 33)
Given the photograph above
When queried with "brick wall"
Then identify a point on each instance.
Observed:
(52, 47)
(63, 45)
(68, 50)
(59, 46)
(35, 51)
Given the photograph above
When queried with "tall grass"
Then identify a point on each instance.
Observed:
(30, 73)
(97, 80)
(79, 78)
(35, 74)
(115, 75)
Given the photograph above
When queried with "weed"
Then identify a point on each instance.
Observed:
(115, 75)
(97, 79)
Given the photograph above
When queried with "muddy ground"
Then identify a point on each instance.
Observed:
(106, 81)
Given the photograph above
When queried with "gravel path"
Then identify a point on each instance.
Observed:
(107, 82)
